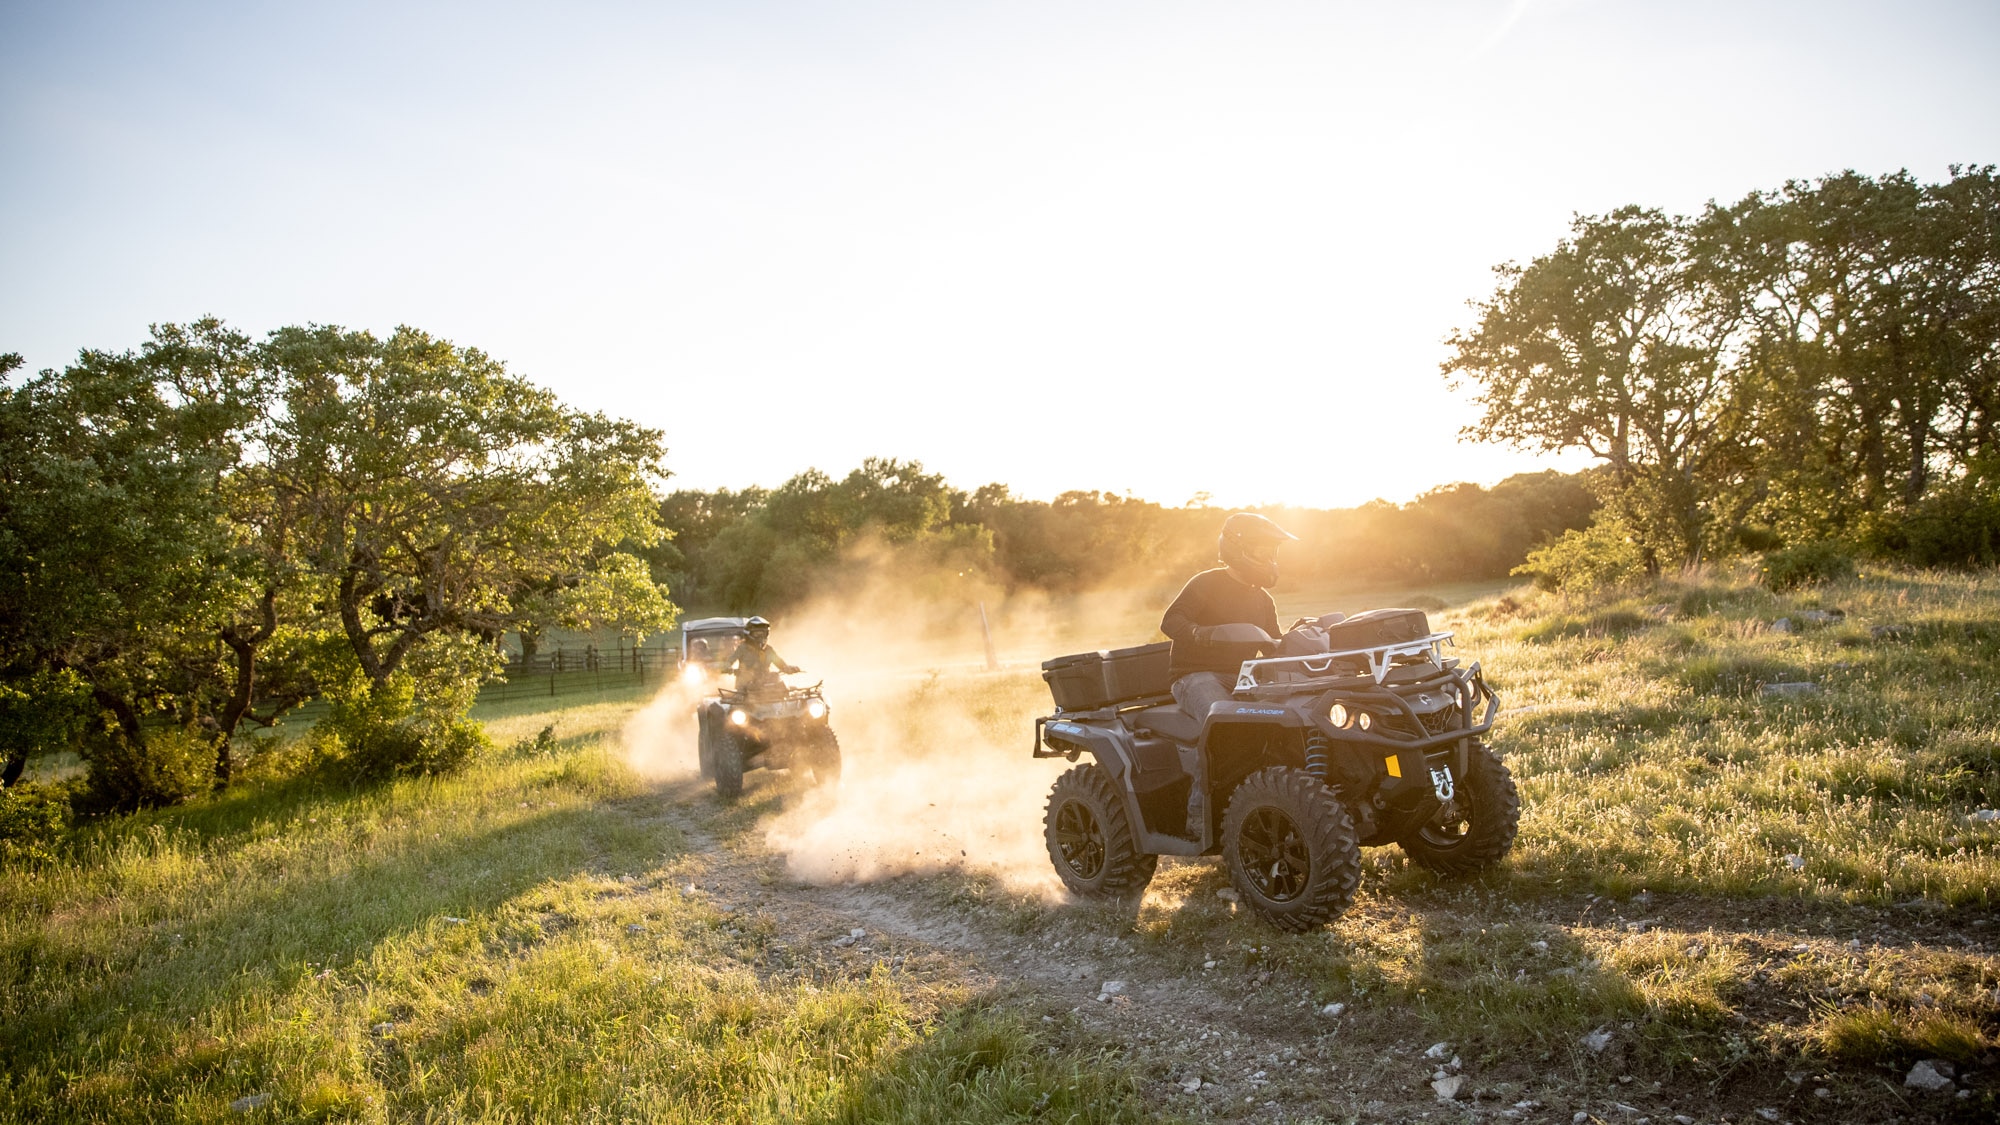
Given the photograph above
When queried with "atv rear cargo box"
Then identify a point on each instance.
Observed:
(1130, 673)
(1085, 681)
(1076, 681)
(1378, 627)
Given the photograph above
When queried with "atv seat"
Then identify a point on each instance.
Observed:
(1170, 722)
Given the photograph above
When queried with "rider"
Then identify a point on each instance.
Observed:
(756, 664)
(1204, 665)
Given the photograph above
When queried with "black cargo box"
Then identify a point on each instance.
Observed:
(1085, 681)
(1130, 673)
(1379, 627)
(1076, 681)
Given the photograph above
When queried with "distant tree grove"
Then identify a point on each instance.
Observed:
(766, 548)
(1812, 365)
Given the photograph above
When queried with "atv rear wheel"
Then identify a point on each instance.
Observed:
(1478, 829)
(727, 758)
(1090, 840)
(1290, 849)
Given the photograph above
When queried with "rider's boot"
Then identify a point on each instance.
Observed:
(1197, 812)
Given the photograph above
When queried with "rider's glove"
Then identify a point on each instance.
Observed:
(1202, 633)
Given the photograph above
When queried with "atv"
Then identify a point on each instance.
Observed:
(1345, 732)
(777, 727)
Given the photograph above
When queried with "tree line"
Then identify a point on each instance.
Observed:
(1815, 364)
(765, 549)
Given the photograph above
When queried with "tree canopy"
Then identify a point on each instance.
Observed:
(212, 529)
(1817, 361)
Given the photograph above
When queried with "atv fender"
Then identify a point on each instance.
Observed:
(1115, 753)
(1241, 738)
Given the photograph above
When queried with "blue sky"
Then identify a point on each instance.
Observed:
(1164, 248)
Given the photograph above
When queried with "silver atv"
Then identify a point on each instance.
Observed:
(1344, 732)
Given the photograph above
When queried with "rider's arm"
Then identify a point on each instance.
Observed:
(1180, 622)
(778, 662)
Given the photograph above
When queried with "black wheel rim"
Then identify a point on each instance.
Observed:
(1274, 858)
(1080, 839)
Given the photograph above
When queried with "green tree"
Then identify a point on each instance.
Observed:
(116, 563)
(434, 496)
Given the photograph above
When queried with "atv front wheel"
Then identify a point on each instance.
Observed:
(1290, 849)
(1477, 828)
(704, 744)
(1090, 840)
(727, 758)
(823, 758)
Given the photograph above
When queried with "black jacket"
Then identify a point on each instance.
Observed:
(1211, 598)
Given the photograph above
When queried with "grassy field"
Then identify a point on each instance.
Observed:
(1723, 899)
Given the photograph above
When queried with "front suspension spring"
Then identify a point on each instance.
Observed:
(1317, 747)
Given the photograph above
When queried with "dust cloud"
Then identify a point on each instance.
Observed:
(937, 772)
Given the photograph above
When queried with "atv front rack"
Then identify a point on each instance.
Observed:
(1327, 665)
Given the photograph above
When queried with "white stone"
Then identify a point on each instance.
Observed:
(1791, 688)
(1332, 1010)
(1597, 1040)
(249, 1102)
(1984, 816)
(1437, 1051)
(1190, 1082)
(857, 933)
(1113, 987)
(1228, 894)
(1447, 1088)
(1925, 1076)
(1796, 862)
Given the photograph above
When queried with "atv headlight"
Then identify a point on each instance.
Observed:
(1365, 721)
(1339, 715)
(816, 708)
(692, 674)
(740, 717)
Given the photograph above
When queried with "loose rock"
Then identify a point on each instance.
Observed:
(1447, 1088)
(1926, 1076)
(1790, 688)
(1597, 1040)
(1437, 1051)
(1332, 1010)
(249, 1102)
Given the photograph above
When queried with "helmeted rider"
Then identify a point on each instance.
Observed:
(1204, 664)
(755, 663)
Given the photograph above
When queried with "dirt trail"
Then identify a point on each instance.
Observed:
(1228, 1042)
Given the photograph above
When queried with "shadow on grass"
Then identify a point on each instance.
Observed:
(179, 968)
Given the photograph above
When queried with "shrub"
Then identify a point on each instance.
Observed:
(1597, 557)
(167, 767)
(34, 819)
(1800, 566)
(1958, 525)
(414, 722)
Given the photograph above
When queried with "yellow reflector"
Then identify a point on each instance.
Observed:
(1395, 766)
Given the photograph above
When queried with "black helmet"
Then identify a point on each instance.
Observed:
(1249, 547)
(758, 628)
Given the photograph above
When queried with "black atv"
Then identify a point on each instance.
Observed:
(773, 728)
(1345, 732)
